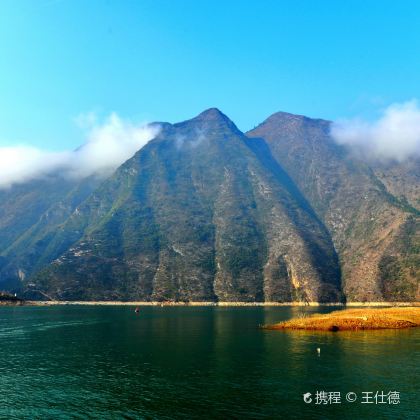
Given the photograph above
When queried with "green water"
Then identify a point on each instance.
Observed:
(194, 362)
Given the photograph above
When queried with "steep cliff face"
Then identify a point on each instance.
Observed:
(200, 213)
(374, 229)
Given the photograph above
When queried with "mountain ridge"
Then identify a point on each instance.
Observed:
(204, 212)
(363, 217)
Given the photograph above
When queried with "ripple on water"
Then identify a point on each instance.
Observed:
(107, 362)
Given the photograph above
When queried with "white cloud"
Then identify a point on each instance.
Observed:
(395, 135)
(22, 163)
(107, 146)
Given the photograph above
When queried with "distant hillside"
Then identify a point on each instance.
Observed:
(30, 214)
(204, 212)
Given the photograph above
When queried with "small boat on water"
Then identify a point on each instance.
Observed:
(137, 310)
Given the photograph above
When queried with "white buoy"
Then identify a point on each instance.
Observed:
(318, 350)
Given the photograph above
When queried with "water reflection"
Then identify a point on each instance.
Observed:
(193, 362)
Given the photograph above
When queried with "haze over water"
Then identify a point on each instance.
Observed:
(194, 362)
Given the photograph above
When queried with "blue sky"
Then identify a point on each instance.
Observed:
(169, 60)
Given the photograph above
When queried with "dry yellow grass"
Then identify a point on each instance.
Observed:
(355, 319)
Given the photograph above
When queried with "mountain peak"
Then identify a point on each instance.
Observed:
(212, 114)
(211, 117)
(288, 121)
(288, 117)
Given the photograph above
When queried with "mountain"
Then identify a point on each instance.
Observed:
(204, 212)
(29, 214)
(401, 179)
(370, 208)
(201, 214)
(23, 204)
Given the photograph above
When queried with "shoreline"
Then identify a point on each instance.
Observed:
(354, 319)
(221, 304)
